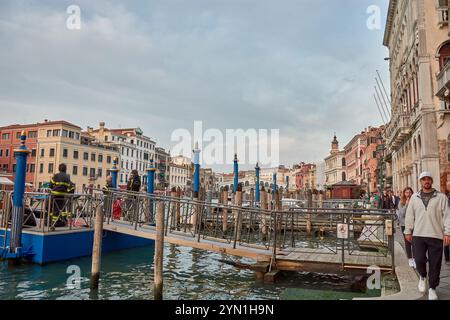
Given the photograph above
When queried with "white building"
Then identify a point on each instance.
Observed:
(136, 150)
(178, 176)
(335, 165)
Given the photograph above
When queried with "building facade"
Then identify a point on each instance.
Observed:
(305, 176)
(361, 158)
(178, 176)
(335, 165)
(10, 140)
(417, 136)
(136, 150)
(162, 160)
(88, 162)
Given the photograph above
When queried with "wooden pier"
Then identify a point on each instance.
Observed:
(288, 259)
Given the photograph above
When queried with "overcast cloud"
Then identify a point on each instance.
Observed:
(306, 67)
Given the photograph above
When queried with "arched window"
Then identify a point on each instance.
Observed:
(415, 148)
(343, 162)
(344, 176)
(444, 55)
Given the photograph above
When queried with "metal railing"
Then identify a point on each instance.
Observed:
(293, 227)
(299, 228)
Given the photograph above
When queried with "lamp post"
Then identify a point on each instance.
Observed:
(380, 157)
(114, 173)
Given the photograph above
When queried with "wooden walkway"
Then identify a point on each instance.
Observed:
(291, 259)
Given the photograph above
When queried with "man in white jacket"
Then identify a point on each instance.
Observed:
(427, 226)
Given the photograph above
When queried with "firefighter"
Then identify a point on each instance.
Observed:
(61, 186)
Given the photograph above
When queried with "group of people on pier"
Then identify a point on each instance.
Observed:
(61, 186)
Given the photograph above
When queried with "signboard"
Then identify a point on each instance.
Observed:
(342, 231)
(388, 228)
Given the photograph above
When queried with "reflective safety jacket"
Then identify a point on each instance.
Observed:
(107, 188)
(61, 185)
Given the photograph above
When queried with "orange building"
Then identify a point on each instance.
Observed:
(10, 140)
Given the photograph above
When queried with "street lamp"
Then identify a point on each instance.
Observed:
(380, 156)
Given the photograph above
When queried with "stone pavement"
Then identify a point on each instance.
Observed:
(444, 286)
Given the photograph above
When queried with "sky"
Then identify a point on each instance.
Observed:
(305, 67)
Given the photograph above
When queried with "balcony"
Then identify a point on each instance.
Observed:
(443, 79)
(397, 131)
(443, 16)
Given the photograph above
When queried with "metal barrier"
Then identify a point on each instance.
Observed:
(292, 228)
(303, 229)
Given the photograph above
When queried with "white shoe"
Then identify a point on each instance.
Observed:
(422, 285)
(412, 263)
(432, 295)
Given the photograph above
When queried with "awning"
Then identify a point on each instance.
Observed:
(6, 182)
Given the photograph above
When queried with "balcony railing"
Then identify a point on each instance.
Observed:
(443, 16)
(443, 79)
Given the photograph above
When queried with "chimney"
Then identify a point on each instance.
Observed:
(102, 125)
(90, 129)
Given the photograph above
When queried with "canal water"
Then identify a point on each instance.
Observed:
(188, 274)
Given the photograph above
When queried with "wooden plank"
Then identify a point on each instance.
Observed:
(252, 253)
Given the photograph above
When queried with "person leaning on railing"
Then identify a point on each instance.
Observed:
(60, 186)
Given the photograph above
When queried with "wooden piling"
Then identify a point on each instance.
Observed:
(97, 248)
(178, 208)
(159, 251)
(321, 199)
(237, 213)
(225, 211)
(264, 206)
(308, 217)
(173, 213)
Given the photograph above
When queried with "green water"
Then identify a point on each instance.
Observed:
(188, 274)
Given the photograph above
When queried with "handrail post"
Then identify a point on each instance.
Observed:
(21, 155)
(274, 249)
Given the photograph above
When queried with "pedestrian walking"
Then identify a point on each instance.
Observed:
(401, 212)
(427, 226)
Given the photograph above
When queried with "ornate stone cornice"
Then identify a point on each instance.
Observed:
(389, 22)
